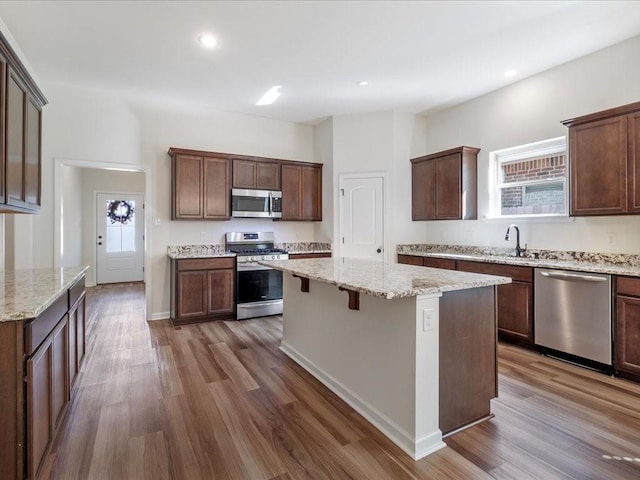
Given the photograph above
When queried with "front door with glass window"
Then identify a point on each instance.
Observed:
(119, 238)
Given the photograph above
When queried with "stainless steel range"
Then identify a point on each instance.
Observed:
(258, 288)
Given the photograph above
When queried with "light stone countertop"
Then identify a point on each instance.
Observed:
(385, 280)
(214, 250)
(208, 250)
(575, 265)
(27, 293)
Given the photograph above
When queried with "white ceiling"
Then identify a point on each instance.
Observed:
(417, 56)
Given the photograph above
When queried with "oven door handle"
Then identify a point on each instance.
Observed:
(252, 267)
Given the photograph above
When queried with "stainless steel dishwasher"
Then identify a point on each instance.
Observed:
(573, 313)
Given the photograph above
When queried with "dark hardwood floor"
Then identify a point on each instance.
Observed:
(219, 400)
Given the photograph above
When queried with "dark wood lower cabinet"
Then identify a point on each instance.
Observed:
(411, 260)
(76, 338)
(431, 262)
(627, 328)
(444, 263)
(514, 300)
(39, 359)
(299, 256)
(47, 393)
(468, 358)
(515, 311)
(202, 289)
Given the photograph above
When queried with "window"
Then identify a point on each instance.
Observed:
(530, 180)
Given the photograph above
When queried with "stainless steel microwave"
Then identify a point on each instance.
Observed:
(251, 203)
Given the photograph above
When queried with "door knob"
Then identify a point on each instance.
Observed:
(99, 243)
(379, 250)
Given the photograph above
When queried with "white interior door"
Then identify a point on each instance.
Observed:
(119, 237)
(362, 216)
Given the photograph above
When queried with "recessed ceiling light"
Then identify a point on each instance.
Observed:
(510, 73)
(207, 40)
(362, 83)
(272, 94)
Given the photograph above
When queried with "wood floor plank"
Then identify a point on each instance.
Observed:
(220, 401)
(232, 366)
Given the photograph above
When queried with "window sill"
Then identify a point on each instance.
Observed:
(530, 219)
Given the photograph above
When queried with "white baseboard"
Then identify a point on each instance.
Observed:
(159, 316)
(415, 448)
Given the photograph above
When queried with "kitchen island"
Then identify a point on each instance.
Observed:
(42, 345)
(412, 349)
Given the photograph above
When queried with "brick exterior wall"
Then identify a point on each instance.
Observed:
(533, 199)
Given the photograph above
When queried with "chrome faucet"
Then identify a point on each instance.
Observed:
(519, 250)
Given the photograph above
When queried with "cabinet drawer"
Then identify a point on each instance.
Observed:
(299, 256)
(445, 263)
(38, 329)
(522, 274)
(628, 286)
(206, 263)
(410, 260)
(76, 291)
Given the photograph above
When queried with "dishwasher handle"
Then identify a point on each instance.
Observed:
(573, 276)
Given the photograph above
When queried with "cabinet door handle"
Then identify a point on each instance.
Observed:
(573, 276)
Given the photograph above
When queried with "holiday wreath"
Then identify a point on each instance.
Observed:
(120, 211)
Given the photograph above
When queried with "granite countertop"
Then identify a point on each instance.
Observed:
(213, 250)
(305, 247)
(614, 264)
(385, 280)
(27, 293)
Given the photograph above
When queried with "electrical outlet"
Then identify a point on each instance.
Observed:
(157, 221)
(203, 236)
(427, 320)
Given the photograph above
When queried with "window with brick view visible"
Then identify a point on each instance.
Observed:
(530, 180)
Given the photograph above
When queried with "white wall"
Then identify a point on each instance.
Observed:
(79, 124)
(94, 126)
(529, 111)
(71, 217)
(380, 142)
(323, 144)
(216, 132)
(99, 180)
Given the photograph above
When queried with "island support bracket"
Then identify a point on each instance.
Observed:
(354, 298)
(304, 283)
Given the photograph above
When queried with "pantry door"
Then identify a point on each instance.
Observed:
(119, 237)
(362, 216)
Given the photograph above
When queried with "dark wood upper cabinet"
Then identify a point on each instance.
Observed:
(301, 191)
(443, 185)
(21, 105)
(604, 162)
(216, 201)
(256, 174)
(16, 102)
(200, 186)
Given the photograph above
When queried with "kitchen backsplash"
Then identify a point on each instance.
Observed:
(608, 258)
